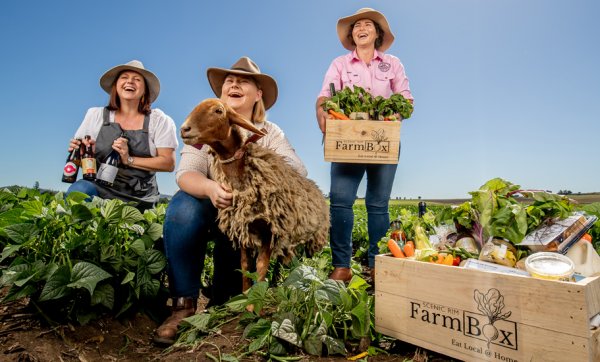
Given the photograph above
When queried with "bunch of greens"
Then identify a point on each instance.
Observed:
(347, 101)
(359, 100)
(387, 108)
(495, 211)
(75, 259)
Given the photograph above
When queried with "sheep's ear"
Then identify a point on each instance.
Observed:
(236, 118)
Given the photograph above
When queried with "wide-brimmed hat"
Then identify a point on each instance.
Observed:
(244, 66)
(343, 27)
(108, 79)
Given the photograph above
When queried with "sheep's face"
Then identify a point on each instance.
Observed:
(207, 123)
(211, 122)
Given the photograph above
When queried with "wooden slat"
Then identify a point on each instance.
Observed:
(414, 299)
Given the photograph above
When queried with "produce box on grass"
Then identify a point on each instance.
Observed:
(476, 315)
(363, 128)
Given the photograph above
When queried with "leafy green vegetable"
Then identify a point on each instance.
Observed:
(359, 100)
(495, 211)
(307, 311)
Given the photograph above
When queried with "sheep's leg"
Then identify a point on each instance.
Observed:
(262, 261)
(246, 282)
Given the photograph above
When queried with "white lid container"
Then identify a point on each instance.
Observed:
(550, 266)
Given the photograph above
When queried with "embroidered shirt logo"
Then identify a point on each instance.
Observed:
(384, 67)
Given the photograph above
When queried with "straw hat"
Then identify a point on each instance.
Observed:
(108, 79)
(244, 66)
(343, 27)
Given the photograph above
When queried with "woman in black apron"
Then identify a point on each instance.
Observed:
(125, 125)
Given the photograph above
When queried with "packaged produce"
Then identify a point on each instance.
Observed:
(499, 251)
(468, 243)
(551, 266)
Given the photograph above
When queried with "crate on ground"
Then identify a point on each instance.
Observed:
(362, 141)
(476, 315)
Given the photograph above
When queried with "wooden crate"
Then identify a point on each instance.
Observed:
(435, 307)
(362, 141)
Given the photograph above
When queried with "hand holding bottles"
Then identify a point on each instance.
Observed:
(107, 173)
(122, 147)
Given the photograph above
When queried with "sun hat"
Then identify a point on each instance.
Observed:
(244, 66)
(108, 79)
(343, 27)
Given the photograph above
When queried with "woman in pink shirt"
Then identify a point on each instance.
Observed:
(367, 35)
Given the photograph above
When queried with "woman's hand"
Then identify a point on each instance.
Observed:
(76, 143)
(220, 196)
(73, 144)
(120, 145)
(321, 114)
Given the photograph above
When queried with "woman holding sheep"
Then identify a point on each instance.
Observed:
(190, 221)
(149, 141)
(366, 34)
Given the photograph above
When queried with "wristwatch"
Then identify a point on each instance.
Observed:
(129, 161)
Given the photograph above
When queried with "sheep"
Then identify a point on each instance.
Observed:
(274, 209)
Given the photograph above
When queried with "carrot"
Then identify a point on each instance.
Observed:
(337, 115)
(587, 237)
(395, 249)
(409, 248)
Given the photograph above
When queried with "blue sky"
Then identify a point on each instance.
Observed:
(503, 88)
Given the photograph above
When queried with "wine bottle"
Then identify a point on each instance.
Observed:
(107, 172)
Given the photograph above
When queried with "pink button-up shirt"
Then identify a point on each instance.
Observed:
(384, 76)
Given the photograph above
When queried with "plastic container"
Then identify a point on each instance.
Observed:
(550, 266)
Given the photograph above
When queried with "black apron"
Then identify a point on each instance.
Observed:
(131, 184)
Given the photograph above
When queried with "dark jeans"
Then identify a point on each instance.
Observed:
(190, 223)
(345, 179)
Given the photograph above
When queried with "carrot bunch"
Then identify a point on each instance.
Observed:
(337, 115)
(407, 250)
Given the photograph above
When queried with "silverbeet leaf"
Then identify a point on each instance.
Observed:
(286, 331)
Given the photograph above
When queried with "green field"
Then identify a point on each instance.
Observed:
(583, 198)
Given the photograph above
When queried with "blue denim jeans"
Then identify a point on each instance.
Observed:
(87, 187)
(190, 223)
(345, 179)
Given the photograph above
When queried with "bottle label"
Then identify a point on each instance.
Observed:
(88, 165)
(107, 173)
(70, 169)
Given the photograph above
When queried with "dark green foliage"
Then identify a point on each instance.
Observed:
(76, 259)
(307, 311)
(594, 209)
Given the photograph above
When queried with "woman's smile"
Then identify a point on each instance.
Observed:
(240, 92)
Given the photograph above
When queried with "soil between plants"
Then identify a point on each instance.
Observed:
(24, 338)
